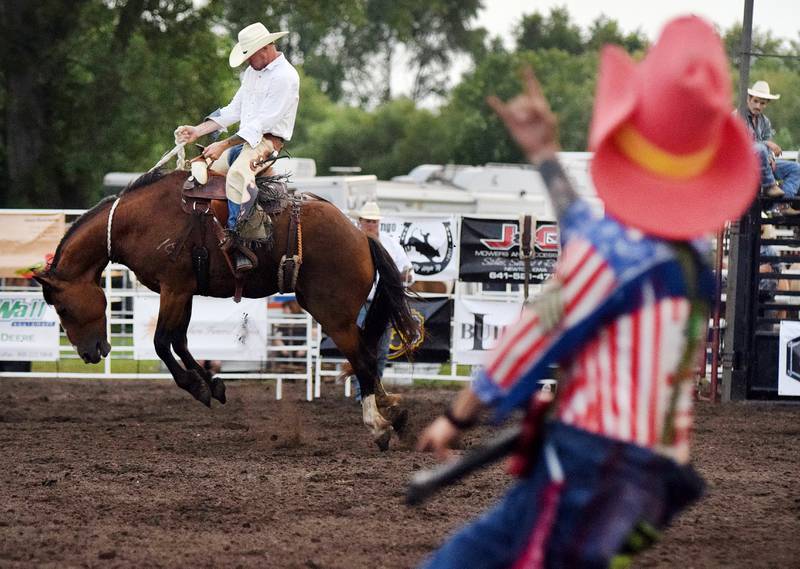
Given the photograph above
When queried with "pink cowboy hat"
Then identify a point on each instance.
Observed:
(670, 158)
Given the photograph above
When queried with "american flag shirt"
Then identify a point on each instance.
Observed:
(620, 342)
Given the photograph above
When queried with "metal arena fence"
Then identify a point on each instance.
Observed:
(294, 346)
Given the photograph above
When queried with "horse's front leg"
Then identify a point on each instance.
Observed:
(174, 311)
(181, 346)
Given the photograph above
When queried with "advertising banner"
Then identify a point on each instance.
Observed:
(28, 328)
(490, 251)
(478, 325)
(220, 329)
(789, 358)
(430, 243)
(433, 343)
(28, 240)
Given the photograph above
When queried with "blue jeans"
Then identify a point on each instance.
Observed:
(382, 352)
(233, 208)
(609, 487)
(233, 212)
(785, 170)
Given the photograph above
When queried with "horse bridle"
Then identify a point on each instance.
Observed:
(108, 226)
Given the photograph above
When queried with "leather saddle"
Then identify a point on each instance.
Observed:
(208, 199)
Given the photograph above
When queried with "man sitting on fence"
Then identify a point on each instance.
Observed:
(772, 169)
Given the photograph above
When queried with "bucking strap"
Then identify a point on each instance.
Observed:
(290, 263)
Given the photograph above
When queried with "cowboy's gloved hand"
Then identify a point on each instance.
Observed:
(549, 306)
(186, 133)
(215, 150)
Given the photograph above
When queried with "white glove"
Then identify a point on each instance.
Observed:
(548, 305)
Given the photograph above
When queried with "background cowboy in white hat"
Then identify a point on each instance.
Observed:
(265, 107)
(369, 221)
(758, 97)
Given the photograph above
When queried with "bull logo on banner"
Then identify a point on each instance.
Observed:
(429, 245)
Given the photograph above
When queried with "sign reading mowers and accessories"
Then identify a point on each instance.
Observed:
(28, 328)
(429, 243)
(490, 251)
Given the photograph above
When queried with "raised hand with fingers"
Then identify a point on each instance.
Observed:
(529, 120)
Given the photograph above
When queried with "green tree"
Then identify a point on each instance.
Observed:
(96, 86)
(476, 135)
(604, 31)
(556, 31)
(349, 46)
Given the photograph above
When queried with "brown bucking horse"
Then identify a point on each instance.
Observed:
(339, 265)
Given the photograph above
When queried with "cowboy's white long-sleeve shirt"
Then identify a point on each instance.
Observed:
(266, 102)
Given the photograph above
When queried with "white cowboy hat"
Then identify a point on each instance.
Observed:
(251, 39)
(760, 89)
(371, 211)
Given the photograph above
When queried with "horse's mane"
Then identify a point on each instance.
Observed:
(75, 226)
(144, 180)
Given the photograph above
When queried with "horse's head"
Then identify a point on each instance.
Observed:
(81, 306)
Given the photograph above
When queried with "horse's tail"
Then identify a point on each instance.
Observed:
(390, 304)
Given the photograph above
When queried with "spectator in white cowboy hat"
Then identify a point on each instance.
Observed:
(369, 221)
(265, 107)
(772, 170)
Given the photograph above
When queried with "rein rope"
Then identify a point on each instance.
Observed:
(178, 150)
(108, 226)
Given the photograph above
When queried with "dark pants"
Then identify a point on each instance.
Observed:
(609, 488)
(382, 350)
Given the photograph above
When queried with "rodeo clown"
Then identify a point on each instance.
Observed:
(623, 316)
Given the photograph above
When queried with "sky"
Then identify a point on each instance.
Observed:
(778, 16)
(500, 17)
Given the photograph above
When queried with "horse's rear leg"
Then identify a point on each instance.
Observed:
(171, 315)
(347, 339)
(181, 346)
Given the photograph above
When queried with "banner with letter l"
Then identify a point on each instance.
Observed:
(477, 326)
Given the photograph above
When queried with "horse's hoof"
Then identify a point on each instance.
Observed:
(201, 392)
(218, 389)
(383, 439)
(397, 416)
(400, 422)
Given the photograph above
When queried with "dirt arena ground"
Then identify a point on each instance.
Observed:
(136, 474)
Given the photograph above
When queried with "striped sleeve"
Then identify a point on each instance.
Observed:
(586, 283)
